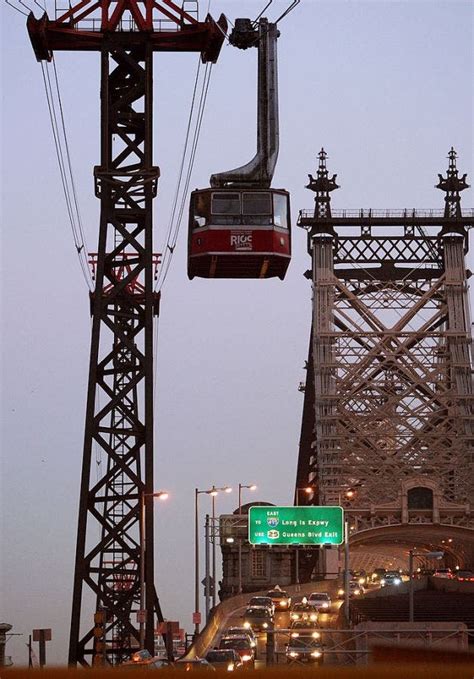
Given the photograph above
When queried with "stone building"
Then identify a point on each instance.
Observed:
(248, 568)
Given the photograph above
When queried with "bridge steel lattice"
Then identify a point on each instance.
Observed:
(114, 565)
(388, 410)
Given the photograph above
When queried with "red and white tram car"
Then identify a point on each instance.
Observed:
(239, 233)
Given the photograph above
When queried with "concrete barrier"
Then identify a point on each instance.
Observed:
(402, 588)
(448, 585)
(223, 611)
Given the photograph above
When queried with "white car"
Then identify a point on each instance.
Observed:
(320, 600)
(262, 602)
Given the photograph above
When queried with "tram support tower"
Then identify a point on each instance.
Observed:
(388, 421)
(119, 412)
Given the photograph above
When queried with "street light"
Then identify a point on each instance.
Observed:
(251, 486)
(162, 495)
(213, 492)
(308, 490)
(224, 489)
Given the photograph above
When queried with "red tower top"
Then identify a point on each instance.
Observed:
(88, 23)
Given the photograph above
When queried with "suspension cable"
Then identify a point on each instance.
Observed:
(69, 164)
(263, 10)
(288, 10)
(176, 219)
(65, 171)
(16, 8)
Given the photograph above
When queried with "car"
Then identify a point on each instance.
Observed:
(377, 574)
(304, 649)
(354, 590)
(443, 573)
(242, 646)
(465, 576)
(227, 659)
(242, 631)
(391, 578)
(280, 598)
(258, 619)
(320, 601)
(305, 627)
(264, 601)
(304, 611)
(143, 660)
(360, 577)
(196, 664)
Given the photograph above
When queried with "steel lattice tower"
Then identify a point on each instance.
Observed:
(389, 394)
(119, 415)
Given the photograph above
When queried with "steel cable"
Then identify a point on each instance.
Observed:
(71, 203)
(175, 222)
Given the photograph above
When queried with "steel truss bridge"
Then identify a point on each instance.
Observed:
(388, 426)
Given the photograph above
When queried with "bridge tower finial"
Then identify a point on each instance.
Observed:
(322, 186)
(452, 185)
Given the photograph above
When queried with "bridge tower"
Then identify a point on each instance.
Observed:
(114, 553)
(388, 418)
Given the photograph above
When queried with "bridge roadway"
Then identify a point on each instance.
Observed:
(233, 617)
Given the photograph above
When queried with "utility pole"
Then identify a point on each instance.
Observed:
(119, 411)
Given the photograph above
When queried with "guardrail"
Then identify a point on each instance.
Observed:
(397, 213)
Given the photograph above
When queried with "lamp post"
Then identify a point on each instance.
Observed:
(251, 486)
(162, 495)
(212, 492)
(225, 489)
(308, 490)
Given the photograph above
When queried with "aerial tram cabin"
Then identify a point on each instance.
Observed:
(240, 226)
(239, 233)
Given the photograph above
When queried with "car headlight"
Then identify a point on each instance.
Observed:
(294, 654)
(246, 658)
(315, 635)
(313, 617)
(325, 605)
(294, 616)
(396, 581)
(247, 625)
(295, 634)
(265, 625)
(382, 582)
(357, 592)
(361, 581)
(340, 592)
(230, 668)
(316, 654)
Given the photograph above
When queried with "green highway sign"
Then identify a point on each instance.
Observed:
(296, 525)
